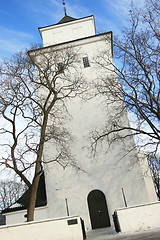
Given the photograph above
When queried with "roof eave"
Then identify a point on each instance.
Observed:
(52, 25)
(70, 42)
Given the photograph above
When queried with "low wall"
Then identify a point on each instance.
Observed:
(137, 218)
(17, 217)
(56, 229)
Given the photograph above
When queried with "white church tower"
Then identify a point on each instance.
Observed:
(113, 178)
(108, 181)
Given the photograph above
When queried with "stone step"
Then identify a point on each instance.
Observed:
(110, 234)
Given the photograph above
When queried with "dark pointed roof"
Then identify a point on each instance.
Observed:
(23, 202)
(66, 18)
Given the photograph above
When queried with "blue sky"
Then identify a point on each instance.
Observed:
(20, 19)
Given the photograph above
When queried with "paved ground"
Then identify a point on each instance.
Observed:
(109, 234)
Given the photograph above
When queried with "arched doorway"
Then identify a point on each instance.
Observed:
(98, 209)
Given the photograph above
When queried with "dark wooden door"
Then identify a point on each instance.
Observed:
(98, 210)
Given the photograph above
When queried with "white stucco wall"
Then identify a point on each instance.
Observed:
(18, 217)
(57, 229)
(146, 172)
(68, 31)
(137, 218)
(113, 167)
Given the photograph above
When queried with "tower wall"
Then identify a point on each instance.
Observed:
(112, 169)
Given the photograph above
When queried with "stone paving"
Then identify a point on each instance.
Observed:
(110, 234)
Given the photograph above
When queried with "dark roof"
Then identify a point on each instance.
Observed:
(23, 202)
(66, 18)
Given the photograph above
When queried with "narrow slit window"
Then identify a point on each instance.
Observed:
(86, 62)
(60, 67)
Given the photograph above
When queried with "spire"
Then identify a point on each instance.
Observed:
(64, 4)
(66, 18)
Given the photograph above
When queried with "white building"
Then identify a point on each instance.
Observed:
(114, 177)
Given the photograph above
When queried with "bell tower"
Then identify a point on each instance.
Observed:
(67, 29)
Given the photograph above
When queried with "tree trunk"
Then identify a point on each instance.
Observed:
(32, 200)
(38, 169)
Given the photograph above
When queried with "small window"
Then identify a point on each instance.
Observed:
(60, 67)
(86, 62)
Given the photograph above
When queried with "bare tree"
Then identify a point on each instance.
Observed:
(154, 163)
(10, 192)
(33, 103)
(134, 84)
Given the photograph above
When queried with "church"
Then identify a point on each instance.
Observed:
(112, 179)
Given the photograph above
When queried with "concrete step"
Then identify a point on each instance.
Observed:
(110, 234)
(101, 232)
